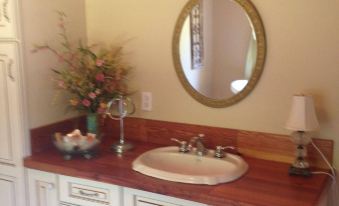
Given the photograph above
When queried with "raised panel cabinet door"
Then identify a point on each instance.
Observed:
(11, 131)
(5, 135)
(7, 191)
(8, 16)
(42, 188)
(133, 197)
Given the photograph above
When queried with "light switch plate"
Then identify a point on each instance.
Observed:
(146, 101)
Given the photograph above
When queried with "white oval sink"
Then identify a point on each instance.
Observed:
(168, 164)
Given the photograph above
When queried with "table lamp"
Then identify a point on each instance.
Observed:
(302, 120)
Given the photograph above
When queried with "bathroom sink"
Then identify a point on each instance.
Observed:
(168, 164)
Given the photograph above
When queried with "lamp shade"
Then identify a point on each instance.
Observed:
(302, 114)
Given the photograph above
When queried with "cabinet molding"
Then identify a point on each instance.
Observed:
(11, 119)
(8, 190)
(8, 20)
(42, 188)
(6, 153)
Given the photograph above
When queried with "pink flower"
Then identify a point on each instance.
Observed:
(61, 84)
(86, 102)
(97, 91)
(99, 62)
(100, 77)
(92, 95)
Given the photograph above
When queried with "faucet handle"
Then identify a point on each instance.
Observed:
(220, 151)
(183, 146)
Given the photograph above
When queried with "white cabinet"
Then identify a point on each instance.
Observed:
(49, 189)
(11, 126)
(12, 132)
(12, 188)
(42, 188)
(133, 197)
(7, 190)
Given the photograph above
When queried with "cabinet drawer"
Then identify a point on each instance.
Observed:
(88, 193)
(133, 197)
(143, 201)
(66, 204)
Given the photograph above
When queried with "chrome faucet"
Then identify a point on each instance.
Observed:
(183, 147)
(200, 147)
(220, 151)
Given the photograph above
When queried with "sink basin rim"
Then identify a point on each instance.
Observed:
(139, 166)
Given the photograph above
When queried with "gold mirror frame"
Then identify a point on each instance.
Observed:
(254, 16)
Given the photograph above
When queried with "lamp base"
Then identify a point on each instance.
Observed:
(294, 171)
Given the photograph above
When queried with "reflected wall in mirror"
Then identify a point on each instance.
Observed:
(219, 50)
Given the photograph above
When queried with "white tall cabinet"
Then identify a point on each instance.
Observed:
(12, 130)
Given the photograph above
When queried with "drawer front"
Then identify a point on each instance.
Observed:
(142, 201)
(88, 193)
(133, 197)
(66, 204)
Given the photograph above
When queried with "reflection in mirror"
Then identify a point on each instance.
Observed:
(217, 46)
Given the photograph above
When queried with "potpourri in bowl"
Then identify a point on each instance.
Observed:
(75, 143)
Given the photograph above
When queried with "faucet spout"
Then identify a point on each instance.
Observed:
(200, 147)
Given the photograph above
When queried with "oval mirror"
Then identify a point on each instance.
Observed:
(219, 50)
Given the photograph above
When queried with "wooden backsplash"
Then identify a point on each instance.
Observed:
(256, 144)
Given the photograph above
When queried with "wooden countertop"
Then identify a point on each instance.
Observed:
(265, 184)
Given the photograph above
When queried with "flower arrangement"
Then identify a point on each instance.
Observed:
(92, 75)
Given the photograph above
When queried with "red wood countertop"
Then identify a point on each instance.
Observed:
(267, 183)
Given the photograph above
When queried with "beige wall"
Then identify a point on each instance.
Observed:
(40, 25)
(303, 49)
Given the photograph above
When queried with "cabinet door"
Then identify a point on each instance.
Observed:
(42, 188)
(134, 197)
(8, 19)
(5, 134)
(7, 191)
(11, 131)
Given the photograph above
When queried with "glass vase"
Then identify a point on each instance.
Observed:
(92, 123)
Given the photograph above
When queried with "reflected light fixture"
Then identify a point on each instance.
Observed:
(302, 120)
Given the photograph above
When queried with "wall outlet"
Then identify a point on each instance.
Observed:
(146, 101)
